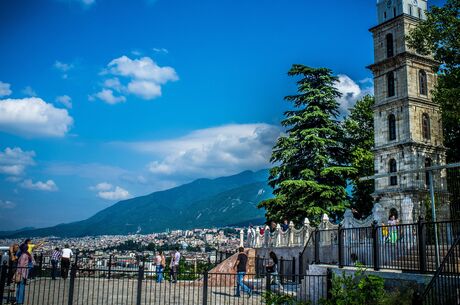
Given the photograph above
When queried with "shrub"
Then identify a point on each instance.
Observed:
(357, 289)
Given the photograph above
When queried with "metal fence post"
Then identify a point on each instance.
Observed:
(329, 283)
(421, 232)
(317, 240)
(293, 269)
(340, 246)
(268, 282)
(73, 275)
(3, 275)
(40, 265)
(110, 267)
(282, 270)
(301, 271)
(140, 278)
(205, 288)
(375, 247)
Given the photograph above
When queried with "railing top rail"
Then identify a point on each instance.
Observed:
(418, 170)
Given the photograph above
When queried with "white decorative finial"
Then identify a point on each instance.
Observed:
(306, 222)
(325, 217)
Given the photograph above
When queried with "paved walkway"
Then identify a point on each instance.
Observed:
(97, 291)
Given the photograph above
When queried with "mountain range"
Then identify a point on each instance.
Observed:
(202, 203)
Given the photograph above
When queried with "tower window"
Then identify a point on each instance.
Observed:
(384, 15)
(427, 174)
(422, 82)
(410, 9)
(426, 132)
(391, 84)
(394, 11)
(391, 127)
(392, 165)
(389, 40)
(420, 13)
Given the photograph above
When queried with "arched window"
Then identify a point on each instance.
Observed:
(391, 84)
(392, 165)
(426, 132)
(389, 40)
(391, 127)
(427, 174)
(422, 82)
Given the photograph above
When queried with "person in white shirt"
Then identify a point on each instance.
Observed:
(175, 259)
(65, 261)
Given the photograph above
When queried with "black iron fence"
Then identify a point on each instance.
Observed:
(286, 267)
(444, 287)
(107, 287)
(418, 247)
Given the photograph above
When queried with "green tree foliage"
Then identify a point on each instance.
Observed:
(359, 141)
(440, 35)
(356, 289)
(309, 177)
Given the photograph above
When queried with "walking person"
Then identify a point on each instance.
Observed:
(21, 275)
(66, 255)
(55, 258)
(160, 262)
(241, 267)
(272, 269)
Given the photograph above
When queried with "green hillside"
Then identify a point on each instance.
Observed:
(201, 203)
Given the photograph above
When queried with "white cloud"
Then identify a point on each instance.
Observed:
(117, 194)
(144, 89)
(13, 161)
(351, 92)
(109, 192)
(63, 67)
(103, 186)
(212, 152)
(65, 100)
(6, 204)
(5, 89)
(107, 96)
(48, 186)
(28, 91)
(143, 78)
(161, 50)
(144, 68)
(113, 83)
(33, 117)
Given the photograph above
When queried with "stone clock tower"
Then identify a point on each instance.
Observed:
(408, 130)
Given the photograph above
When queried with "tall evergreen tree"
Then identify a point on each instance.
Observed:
(309, 177)
(359, 141)
(440, 35)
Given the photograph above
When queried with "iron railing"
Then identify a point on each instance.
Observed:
(93, 286)
(444, 287)
(417, 247)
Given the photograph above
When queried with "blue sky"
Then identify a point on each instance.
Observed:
(105, 100)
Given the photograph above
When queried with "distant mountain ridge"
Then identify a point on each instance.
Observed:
(202, 203)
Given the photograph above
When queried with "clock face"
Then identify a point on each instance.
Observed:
(389, 2)
(414, 2)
